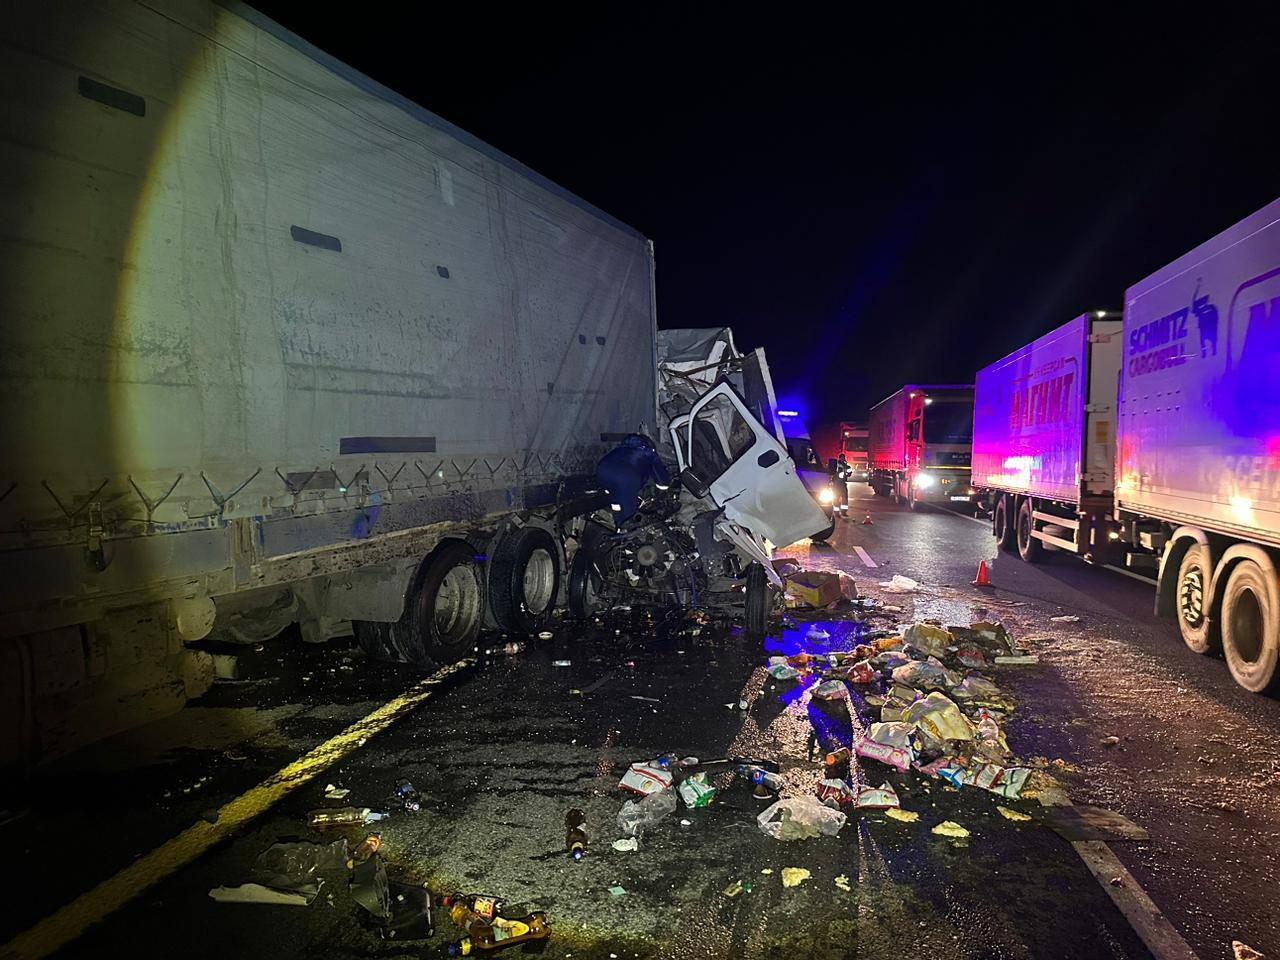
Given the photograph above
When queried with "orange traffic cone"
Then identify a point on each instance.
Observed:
(982, 579)
(866, 521)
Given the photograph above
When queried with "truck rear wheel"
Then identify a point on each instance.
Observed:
(1251, 626)
(443, 614)
(524, 580)
(755, 618)
(1192, 600)
(1029, 548)
(1001, 525)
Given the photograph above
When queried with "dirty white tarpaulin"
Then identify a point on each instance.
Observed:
(335, 289)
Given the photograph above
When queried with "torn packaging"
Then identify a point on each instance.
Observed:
(645, 778)
(938, 716)
(896, 757)
(927, 639)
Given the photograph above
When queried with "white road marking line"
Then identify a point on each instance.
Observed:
(866, 560)
(1164, 942)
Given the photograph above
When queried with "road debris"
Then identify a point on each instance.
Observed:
(813, 588)
(800, 818)
(626, 845)
(636, 816)
(1066, 618)
(1010, 814)
(842, 882)
(906, 816)
(332, 792)
(949, 828)
(257, 893)
(794, 876)
(1242, 951)
(899, 584)
(343, 817)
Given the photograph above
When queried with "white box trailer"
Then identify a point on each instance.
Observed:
(1198, 458)
(1044, 439)
(278, 346)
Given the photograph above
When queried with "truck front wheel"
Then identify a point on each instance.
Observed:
(585, 585)
(1002, 526)
(1251, 626)
(755, 619)
(1193, 601)
(1029, 548)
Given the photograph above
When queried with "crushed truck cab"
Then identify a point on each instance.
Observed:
(727, 455)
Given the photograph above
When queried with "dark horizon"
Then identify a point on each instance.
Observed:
(874, 206)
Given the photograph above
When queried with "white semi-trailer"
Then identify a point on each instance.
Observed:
(1160, 439)
(280, 346)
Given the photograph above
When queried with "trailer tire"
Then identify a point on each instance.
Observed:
(1005, 533)
(1029, 548)
(584, 585)
(759, 601)
(1192, 598)
(524, 580)
(442, 616)
(1251, 626)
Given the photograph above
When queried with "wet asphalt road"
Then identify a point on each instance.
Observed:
(1197, 764)
(503, 753)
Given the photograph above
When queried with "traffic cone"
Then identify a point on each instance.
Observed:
(866, 521)
(982, 579)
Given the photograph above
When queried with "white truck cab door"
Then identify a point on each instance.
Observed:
(745, 470)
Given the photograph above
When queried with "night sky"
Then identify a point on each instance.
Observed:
(872, 200)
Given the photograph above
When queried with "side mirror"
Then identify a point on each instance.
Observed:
(693, 483)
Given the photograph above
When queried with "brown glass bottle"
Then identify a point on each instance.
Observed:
(575, 841)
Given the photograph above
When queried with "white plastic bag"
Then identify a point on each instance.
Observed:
(799, 818)
(637, 815)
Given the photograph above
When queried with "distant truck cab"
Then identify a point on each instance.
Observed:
(920, 441)
(854, 443)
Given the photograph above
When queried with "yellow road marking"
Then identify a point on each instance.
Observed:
(63, 926)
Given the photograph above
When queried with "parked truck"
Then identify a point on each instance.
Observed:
(848, 437)
(282, 347)
(920, 439)
(1195, 475)
(1044, 432)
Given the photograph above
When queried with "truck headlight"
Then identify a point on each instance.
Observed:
(827, 496)
(924, 481)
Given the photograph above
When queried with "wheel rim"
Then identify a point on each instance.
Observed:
(1191, 598)
(1024, 531)
(457, 604)
(539, 581)
(1246, 626)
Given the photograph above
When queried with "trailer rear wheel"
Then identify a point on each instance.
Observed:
(1251, 626)
(1029, 548)
(1006, 536)
(524, 580)
(1192, 600)
(443, 614)
(755, 619)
